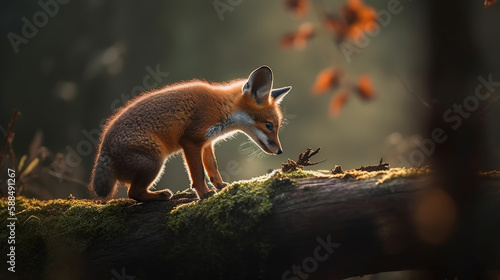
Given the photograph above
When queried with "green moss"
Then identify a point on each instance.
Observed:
(231, 224)
(298, 174)
(394, 173)
(385, 175)
(46, 230)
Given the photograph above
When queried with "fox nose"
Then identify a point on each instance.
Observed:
(279, 152)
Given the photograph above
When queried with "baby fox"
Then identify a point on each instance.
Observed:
(191, 117)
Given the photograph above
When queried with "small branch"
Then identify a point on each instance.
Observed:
(9, 137)
(303, 160)
(380, 167)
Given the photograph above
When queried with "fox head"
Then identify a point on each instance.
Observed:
(260, 103)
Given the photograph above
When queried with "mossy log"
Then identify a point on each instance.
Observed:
(302, 225)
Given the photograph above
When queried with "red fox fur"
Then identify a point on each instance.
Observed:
(188, 117)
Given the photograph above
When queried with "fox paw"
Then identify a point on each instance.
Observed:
(166, 194)
(207, 195)
(184, 196)
(220, 186)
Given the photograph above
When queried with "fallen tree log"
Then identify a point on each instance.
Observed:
(282, 226)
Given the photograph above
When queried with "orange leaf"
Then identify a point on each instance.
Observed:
(338, 101)
(326, 80)
(299, 7)
(299, 38)
(488, 3)
(336, 27)
(358, 18)
(365, 88)
(304, 34)
(287, 40)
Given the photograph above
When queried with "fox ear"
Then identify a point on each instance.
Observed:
(279, 93)
(259, 84)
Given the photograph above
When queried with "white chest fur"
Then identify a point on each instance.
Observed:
(238, 120)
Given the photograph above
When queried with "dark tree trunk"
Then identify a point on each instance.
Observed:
(455, 63)
(331, 228)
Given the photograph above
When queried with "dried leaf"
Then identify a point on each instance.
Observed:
(30, 167)
(21, 163)
(488, 3)
(299, 38)
(304, 34)
(338, 101)
(354, 20)
(327, 79)
(298, 7)
(365, 88)
(359, 18)
(287, 40)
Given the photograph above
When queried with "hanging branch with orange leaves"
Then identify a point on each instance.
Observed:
(354, 19)
(350, 24)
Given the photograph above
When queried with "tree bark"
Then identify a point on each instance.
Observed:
(324, 228)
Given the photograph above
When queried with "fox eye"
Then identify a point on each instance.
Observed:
(269, 126)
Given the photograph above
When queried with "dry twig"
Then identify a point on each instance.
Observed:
(380, 167)
(303, 160)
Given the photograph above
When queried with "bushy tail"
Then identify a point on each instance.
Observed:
(103, 182)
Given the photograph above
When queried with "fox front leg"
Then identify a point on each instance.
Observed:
(211, 168)
(193, 157)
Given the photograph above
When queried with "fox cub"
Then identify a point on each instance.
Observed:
(188, 117)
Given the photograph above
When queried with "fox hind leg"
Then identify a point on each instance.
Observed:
(145, 171)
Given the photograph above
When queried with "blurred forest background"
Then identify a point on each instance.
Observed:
(92, 56)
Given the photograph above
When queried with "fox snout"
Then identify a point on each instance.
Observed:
(276, 147)
(269, 145)
(274, 151)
